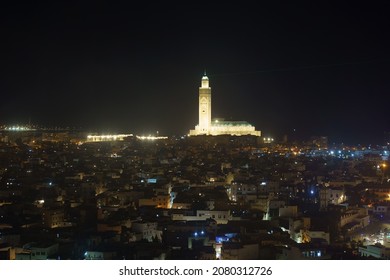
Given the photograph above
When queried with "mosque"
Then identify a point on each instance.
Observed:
(207, 126)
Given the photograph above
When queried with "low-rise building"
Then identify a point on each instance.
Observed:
(376, 251)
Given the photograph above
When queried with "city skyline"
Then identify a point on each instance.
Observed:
(321, 70)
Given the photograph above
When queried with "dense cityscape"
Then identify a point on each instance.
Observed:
(157, 130)
(65, 194)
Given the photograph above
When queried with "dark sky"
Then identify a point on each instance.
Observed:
(320, 69)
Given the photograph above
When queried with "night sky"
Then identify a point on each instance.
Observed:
(121, 67)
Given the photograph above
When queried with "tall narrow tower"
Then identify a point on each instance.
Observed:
(204, 106)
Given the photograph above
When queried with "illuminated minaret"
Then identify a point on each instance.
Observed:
(204, 106)
(217, 127)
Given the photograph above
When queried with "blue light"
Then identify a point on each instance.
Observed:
(202, 232)
(312, 192)
(195, 234)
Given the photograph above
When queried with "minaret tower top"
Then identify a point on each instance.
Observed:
(205, 81)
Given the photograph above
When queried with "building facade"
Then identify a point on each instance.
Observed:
(207, 126)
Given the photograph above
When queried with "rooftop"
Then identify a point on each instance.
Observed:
(230, 123)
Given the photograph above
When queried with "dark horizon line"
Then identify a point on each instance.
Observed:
(278, 137)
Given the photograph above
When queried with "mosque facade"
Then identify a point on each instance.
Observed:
(209, 126)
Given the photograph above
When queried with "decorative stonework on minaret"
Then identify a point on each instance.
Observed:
(205, 105)
(217, 127)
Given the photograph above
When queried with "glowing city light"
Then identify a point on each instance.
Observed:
(108, 137)
(18, 128)
(151, 138)
(268, 140)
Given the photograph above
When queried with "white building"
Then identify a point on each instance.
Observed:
(207, 126)
(354, 218)
(221, 217)
(148, 231)
(42, 251)
(376, 251)
(329, 195)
